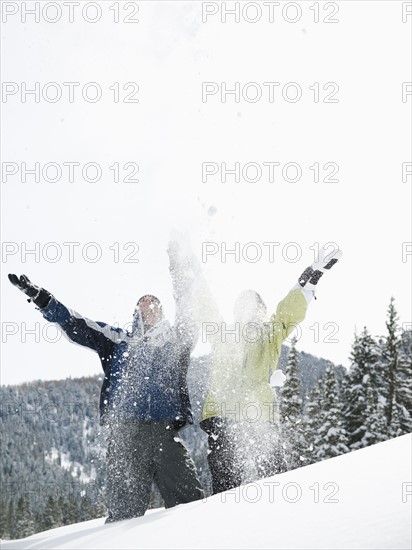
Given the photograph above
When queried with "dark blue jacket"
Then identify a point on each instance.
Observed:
(144, 372)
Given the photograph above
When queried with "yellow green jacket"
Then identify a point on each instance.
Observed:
(240, 373)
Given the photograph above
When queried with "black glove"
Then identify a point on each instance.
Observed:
(39, 296)
(310, 277)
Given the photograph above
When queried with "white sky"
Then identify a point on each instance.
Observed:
(170, 132)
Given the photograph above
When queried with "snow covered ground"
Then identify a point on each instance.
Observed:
(359, 500)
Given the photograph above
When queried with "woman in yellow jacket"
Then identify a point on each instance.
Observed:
(239, 412)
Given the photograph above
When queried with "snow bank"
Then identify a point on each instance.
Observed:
(359, 500)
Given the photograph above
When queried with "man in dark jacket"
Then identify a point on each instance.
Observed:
(144, 397)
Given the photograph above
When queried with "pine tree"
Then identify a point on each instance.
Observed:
(38, 520)
(11, 520)
(395, 428)
(58, 513)
(290, 411)
(64, 509)
(365, 368)
(3, 520)
(397, 364)
(24, 519)
(375, 424)
(390, 354)
(49, 515)
(312, 422)
(72, 509)
(331, 439)
(404, 382)
(99, 509)
(86, 509)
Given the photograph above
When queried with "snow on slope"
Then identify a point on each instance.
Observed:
(364, 501)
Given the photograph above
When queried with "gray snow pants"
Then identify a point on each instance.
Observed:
(142, 452)
(233, 445)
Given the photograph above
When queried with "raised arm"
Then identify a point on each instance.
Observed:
(182, 272)
(77, 328)
(292, 309)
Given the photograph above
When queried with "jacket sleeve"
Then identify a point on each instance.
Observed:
(186, 324)
(196, 311)
(79, 329)
(289, 313)
(207, 311)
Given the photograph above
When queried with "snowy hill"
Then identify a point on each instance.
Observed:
(358, 500)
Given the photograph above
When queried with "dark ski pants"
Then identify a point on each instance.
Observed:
(233, 444)
(142, 452)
